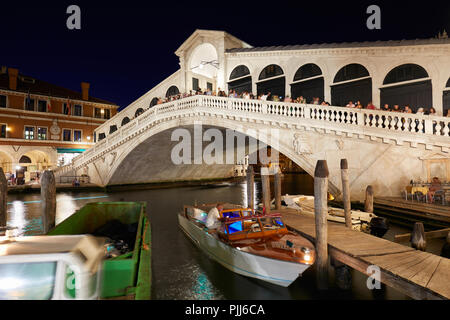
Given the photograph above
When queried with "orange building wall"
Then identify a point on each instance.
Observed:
(16, 121)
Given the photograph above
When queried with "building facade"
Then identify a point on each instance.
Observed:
(43, 125)
(405, 72)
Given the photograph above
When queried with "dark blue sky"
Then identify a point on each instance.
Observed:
(125, 48)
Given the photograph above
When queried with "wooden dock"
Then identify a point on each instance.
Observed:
(418, 274)
(435, 215)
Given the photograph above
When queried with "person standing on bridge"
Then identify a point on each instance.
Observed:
(370, 106)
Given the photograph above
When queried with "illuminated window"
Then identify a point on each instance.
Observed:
(29, 133)
(42, 133)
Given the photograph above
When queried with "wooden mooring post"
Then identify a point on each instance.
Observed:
(342, 272)
(265, 181)
(277, 189)
(368, 203)
(346, 193)
(445, 252)
(250, 187)
(320, 212)
(3, 199)
(48, 200)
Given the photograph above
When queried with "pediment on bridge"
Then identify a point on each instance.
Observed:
(436, 156)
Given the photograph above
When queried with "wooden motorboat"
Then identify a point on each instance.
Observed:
(250, 244)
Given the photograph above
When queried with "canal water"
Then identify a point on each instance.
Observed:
(180, 270)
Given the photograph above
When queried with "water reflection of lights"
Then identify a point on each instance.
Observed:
(17, 214)
(244, 195)
(203, 289)
(66, 207)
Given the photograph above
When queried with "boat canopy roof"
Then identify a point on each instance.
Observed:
(47, 244)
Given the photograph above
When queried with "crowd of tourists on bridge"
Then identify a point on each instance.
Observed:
(315, 100)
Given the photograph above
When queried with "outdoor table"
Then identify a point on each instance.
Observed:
(414, 189)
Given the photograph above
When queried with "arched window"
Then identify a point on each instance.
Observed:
(239, 72)
(172, 91)
(125, 121)
(405, 72)
(351, 83)
(24, 159)
(307, 71)
(270, 71)
(243, 82)
(112, 129)
(138, 112)
(101, 136)
(270, 81)
(153, 102)
(308, 83)
(401, 90)
(350, 72)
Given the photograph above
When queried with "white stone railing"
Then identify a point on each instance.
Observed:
(413, 128)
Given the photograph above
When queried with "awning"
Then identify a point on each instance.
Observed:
(70, 150)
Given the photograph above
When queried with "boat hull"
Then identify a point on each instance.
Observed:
(278, 272)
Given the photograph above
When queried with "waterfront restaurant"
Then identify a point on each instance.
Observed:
(43, 125)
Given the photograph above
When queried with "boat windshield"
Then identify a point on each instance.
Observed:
(231, 214)
(247, 213)
(246, 225)
(27, 281)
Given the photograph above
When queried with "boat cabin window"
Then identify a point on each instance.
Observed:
(234, 227)
(27, 281)
(248, 225)
(247, 213)
(231, 214)
(272, 223)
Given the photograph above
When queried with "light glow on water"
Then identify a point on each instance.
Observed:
(25, 215)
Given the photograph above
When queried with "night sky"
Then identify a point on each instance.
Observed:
(125, 48)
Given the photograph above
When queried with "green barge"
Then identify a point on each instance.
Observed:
(70, 263)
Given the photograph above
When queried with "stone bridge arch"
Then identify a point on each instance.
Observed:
(152, 150)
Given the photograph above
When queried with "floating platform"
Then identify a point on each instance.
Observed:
(434, 215)
(420, 275)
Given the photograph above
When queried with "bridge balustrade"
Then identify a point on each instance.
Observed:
(382, 122)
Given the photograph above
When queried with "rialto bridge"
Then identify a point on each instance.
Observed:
(383, 149)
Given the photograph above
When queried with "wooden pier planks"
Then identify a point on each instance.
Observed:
(418, 274)
(429, 210)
